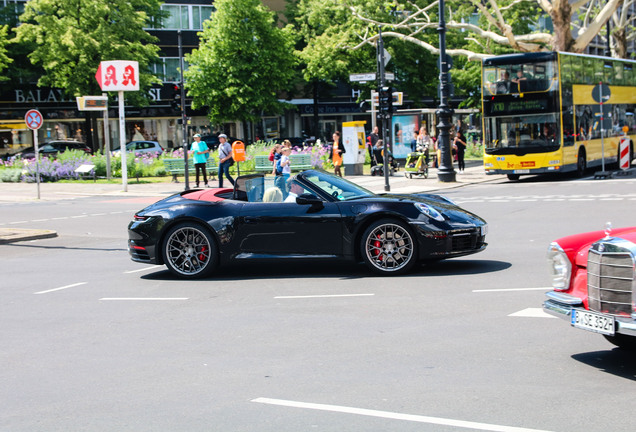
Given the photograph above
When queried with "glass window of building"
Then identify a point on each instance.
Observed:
(186, 17)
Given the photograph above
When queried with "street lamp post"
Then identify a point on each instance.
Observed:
(446, 172)
(184, 119)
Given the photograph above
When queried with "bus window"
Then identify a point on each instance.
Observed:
(608, 73)
(628, 73)
(528, 134)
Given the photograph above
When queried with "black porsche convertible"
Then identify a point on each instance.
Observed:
(312, 215)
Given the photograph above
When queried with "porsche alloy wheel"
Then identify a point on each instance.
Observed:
(388, 247)
(189, 251)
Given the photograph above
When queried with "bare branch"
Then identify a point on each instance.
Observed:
(586, 35)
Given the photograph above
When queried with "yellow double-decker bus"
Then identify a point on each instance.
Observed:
(541, 113)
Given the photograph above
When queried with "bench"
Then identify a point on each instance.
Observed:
(85, 169)
(177, 167)
(300, 162)
(262, 164)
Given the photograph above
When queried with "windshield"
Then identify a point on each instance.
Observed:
(521, 135)
(337, 187)
(519, 78)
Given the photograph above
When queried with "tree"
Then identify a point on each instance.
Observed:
(496, 24)
(242, 62)
(4, 59)
(622, 24)
(71, 38)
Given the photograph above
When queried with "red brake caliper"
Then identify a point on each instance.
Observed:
(204, 249)
(377, 244)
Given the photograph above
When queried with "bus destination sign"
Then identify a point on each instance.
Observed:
(517, 106)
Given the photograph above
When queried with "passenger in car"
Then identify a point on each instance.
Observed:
(273, 194)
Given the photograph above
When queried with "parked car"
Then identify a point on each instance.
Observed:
(52, 148)
(593, 280)
(138, 147)
(329, 217)
(212, 141)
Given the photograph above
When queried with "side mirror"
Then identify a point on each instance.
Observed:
(309, 199)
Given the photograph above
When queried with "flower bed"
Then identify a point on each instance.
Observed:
(142, 165)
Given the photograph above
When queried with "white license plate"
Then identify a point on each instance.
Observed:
(521, 171)
(594, 322)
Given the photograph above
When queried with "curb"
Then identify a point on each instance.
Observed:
(12, 235)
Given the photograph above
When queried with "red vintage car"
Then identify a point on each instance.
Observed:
(594, 280)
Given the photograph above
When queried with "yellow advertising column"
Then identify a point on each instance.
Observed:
(354, 142)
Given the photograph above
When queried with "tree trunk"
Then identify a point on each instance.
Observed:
(620, 40)
(561, 15)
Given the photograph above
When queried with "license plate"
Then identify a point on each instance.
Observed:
(521, 171)
(593, 322)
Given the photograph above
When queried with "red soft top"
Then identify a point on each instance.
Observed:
(207, 194)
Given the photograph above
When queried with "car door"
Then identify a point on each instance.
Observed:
(289, 228)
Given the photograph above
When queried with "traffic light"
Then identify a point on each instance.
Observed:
(385, 99)
(176, 101)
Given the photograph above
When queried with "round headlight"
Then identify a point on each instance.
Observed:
(560, 267)
(429, 211)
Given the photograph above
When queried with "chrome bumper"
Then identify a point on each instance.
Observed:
(560, 305)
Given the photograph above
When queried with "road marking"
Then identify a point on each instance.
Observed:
(143, 298)
(513, 289)
(531, 313)
(323, 296)
(62, 288)
(18, 222)
(143, 269)
(394, 415)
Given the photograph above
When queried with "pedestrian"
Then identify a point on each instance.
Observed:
(225, 160)
(371, 141)
(460, 143)
(337, 150)
(283, 171)
(200, 154)
(425, 142)
(277, 153)
(414, 142)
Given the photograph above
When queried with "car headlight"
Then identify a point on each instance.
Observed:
(560, 267)
(429, 211)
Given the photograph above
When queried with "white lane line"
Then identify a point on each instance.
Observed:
(143, 269)
(531, 313)
(61, 288)
(143, 298)
(395, 416)
(323, 296)
(79, 216)
(18, 222)
(513, 289)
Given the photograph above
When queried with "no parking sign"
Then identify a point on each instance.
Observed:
(33, 119)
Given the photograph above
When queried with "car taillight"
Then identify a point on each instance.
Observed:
(138, 218)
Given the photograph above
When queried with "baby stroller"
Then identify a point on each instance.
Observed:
(417, 163)
(378, 168)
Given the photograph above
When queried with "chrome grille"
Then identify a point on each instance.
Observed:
(610, 277)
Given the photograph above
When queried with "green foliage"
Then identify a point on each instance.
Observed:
(4, 60)
(10, 175)
(242, 62)
(71, 38)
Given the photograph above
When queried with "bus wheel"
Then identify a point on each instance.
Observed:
(513, 177)
(581, 164)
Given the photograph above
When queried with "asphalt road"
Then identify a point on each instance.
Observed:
(92, 341)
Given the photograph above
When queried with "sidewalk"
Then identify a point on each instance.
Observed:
(27, 192)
